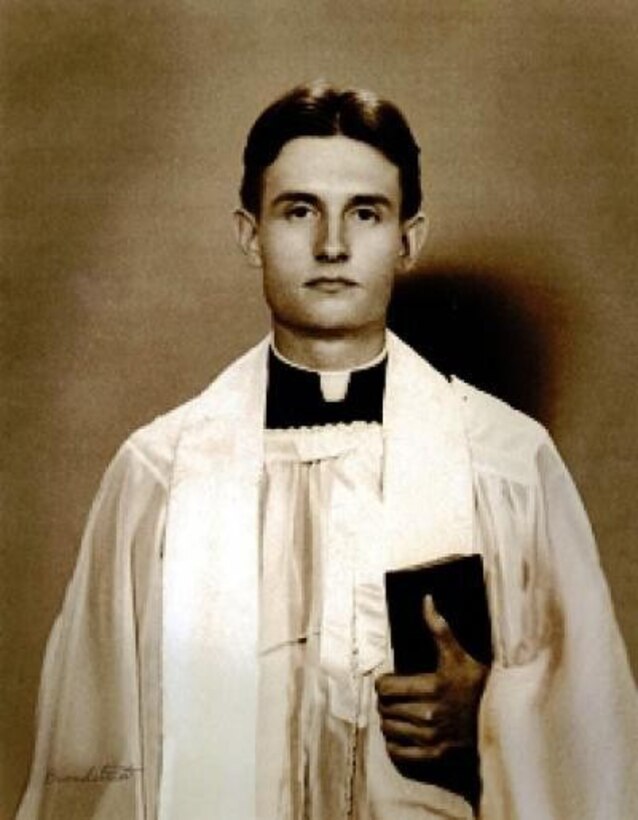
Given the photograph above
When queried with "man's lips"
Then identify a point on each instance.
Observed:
(330, 284)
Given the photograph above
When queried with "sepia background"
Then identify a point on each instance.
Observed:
(123, 294)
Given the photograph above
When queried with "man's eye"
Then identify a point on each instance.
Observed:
(300, 211)
(366, 214)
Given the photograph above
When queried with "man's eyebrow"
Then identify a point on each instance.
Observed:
(355, 201)
(295, 196)
(370, 199)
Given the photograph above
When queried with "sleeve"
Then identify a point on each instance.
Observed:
(95, 754)
(559, 721)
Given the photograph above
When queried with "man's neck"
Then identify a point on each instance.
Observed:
(331, 353)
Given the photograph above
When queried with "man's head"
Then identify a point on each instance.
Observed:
(320, 110)
(331, 212)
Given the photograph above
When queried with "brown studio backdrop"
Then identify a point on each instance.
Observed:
(123, 293)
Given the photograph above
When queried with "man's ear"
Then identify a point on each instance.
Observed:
(247, 235)
(414, 233)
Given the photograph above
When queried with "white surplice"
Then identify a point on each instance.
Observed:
(152, 703)
(323, 635)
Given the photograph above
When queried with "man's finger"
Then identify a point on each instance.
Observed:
(405, 687)
(399, 731)
(445, 639)
(433, 618)
(400, 753)
(419, 713)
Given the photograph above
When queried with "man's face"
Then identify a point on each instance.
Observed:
(329, 237)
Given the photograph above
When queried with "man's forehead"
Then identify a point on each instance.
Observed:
(334, 165)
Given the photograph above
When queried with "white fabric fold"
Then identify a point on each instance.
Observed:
(210, 601)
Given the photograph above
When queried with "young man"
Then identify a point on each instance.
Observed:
(223, 648)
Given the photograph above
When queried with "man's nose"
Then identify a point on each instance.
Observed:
(331, 242)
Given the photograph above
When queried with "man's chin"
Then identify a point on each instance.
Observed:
(332, 329)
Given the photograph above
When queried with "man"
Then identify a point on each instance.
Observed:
(223, 647)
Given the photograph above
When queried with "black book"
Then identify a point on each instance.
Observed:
(457, 587)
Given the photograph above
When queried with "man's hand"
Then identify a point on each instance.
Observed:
(425, 716)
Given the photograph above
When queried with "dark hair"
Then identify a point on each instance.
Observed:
(320, 110)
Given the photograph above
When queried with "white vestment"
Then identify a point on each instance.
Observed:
(151, 704)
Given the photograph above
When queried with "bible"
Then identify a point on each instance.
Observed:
(457, 587)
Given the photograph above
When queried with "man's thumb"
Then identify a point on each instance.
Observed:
(449, 648)
(435, 621)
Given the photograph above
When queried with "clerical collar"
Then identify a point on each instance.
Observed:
(333, 383)
(301, 397)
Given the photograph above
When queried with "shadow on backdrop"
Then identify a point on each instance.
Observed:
(484, 326)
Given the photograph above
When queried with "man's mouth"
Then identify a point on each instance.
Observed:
(330, 284)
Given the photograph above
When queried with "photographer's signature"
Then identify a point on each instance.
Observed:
(108, 773)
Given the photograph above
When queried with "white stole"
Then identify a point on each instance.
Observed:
(211, 561)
